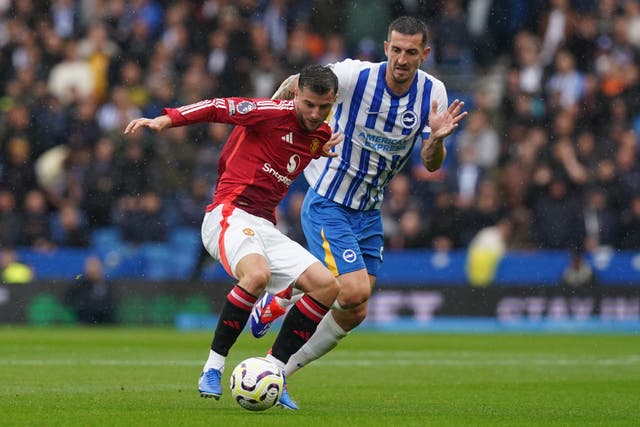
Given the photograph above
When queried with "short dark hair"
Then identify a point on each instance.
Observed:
(409, 25)
(319, 78)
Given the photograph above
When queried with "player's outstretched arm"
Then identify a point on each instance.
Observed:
(157, 124)
(442, 125)
(287, 89)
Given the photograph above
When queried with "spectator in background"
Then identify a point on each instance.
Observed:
(192, 204)
(556, 24)
(629, 232)
(628, 168)
(443, 228)
(486, 210)
(164, 54)
(131, 78)
(117, 111)
(411, 231)
(10, 221)
(35, 221)
(91, 296)
(83, 126)
(467, 176)
(399, 199)
(452, 40)
(178, 158)
(12, 271)
(566, 86)
(335, 49)
(601, 222)
(578, 276)
(486, 250)
(141, 219)
(479, 134)
(528, 70)
(100, 185)
(64, 16)
(133, 173)
(69, 229)
(98, 50)
(18, 173)
(71, 79)
(292, 217)
(558, 220)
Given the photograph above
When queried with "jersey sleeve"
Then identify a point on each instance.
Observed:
(438, 93)
(236, 111)
(347, 72)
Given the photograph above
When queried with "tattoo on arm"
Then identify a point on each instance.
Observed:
(287, 89)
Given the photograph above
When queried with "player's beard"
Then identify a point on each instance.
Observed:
(401, 75)
(308, 124)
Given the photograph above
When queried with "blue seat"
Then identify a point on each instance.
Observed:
(106, 237)
(159, 261)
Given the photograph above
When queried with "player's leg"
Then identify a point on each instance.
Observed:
(302, 319)
(350, 244)
(291, 263)
(334, 326)
(225, 238)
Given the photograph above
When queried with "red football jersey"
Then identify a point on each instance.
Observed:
(265, 152)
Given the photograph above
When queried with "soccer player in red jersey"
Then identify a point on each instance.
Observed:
(272, 143)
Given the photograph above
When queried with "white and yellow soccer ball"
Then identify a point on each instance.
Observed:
(257, 384)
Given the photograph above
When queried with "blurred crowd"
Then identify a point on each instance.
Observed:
(550, 148)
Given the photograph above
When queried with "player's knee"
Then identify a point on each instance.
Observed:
(350, 318)
(257, 279)
(351, 297)
(327, 289)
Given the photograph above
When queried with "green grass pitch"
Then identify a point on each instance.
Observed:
(147, 377)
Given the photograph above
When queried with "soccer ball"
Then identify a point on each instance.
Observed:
(256, 384)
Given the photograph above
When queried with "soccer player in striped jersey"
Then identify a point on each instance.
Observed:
(272, 143)
(383, 109)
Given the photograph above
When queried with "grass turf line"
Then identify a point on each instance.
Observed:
(140, 377)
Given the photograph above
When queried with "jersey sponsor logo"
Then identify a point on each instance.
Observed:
(294, 162)
(349, 256)
(409, 119)
(382, 143)
(368, 111)
(244, 107)
(277, 175)
(288, 138)
(249, 232)
(315, 144)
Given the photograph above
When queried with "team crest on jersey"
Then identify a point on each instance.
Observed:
(245, 106)
(349, 255)
(315, 144)
(409, 119)
(249, 232)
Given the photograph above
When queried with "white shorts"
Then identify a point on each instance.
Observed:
(229, 234)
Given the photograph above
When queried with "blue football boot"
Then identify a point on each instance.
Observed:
(209, 384)
(286, 402)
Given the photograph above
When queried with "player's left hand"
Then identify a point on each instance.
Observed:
(336, 138)
(443, 124)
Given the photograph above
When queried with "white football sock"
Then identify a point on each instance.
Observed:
(279, 363)
(325, 338)
(215, 361)
(295, 297)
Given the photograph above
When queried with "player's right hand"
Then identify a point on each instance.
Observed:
(157, 124)
(336, 138)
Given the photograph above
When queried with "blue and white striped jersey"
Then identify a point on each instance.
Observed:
(380, 130)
